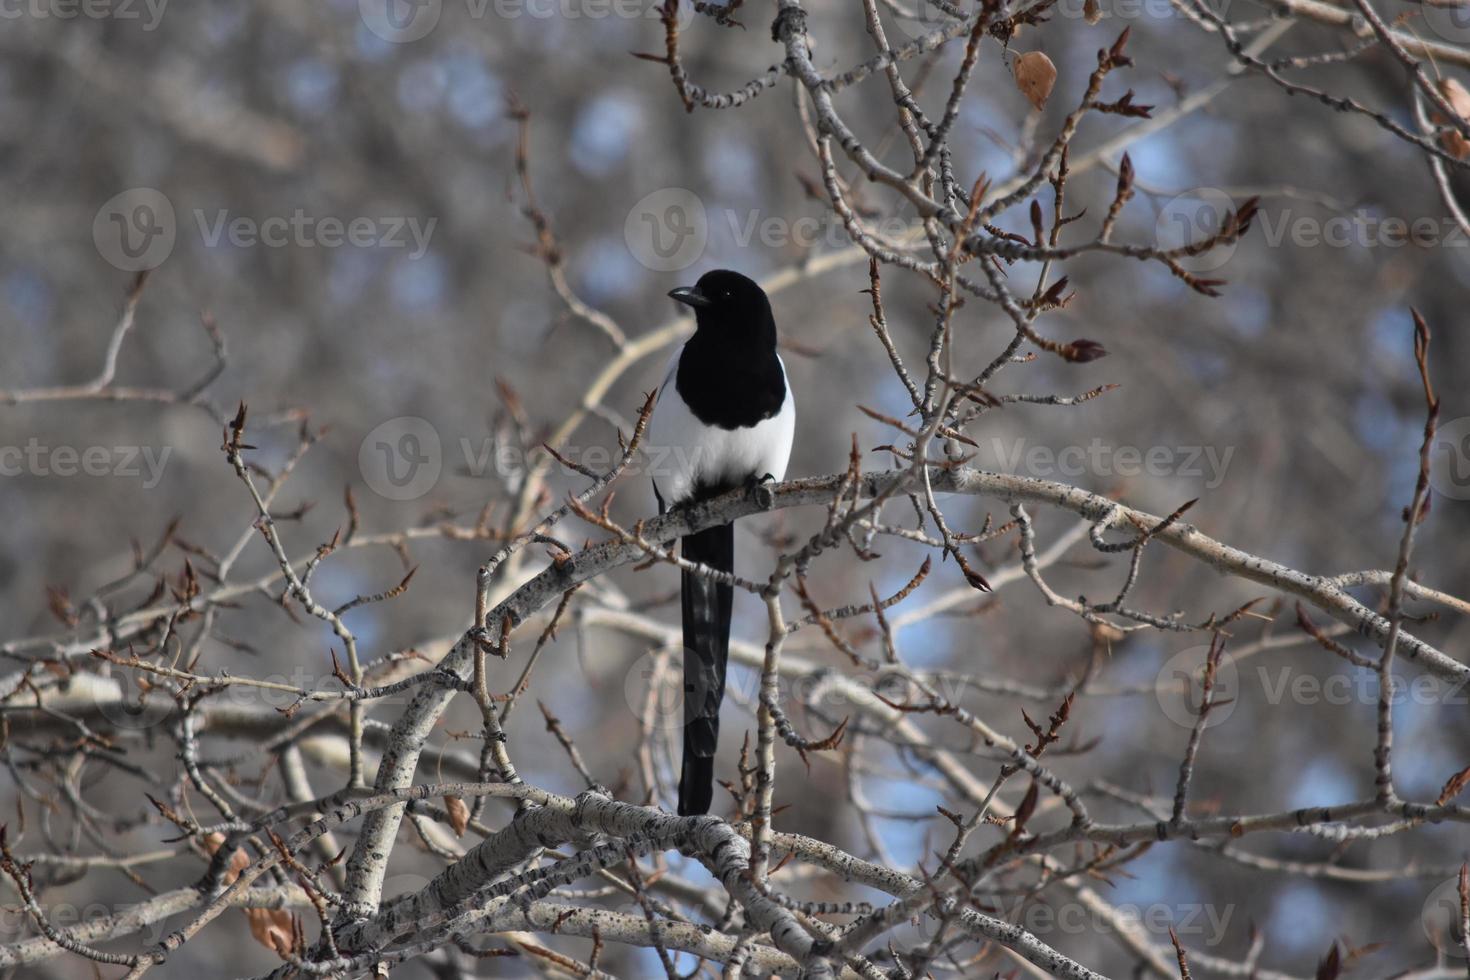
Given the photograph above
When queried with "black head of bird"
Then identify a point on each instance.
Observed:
(729, 306)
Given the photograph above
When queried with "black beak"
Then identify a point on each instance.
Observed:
(689, 296)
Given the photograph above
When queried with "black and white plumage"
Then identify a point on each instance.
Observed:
(725, 418)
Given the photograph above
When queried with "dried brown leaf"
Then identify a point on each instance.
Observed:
(272, 929)
(1035, 76)
(459, 814)
(1458, 97)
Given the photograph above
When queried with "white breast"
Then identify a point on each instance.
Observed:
(682, 452)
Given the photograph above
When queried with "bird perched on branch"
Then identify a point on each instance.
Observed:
(724, 419)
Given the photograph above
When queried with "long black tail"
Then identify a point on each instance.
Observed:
(706, 608)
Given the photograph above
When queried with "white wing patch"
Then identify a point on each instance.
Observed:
(683, 452)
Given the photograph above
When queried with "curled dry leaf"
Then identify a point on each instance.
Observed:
(272, 928)
(459, 814)
(239, 861)
(1458, 97)
(1035, 76)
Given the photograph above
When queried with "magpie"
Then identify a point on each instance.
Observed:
(724, 419)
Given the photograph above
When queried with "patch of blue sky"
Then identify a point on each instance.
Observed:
(351, 273)
(603, 134)
(335, 583)
(1164, 160)
(419, 285)
(1391, 335)
(421, 85)
(1159, 161)
(1156, 284)
(385, 373)
(1422, 758)
(976, 148)
(225, 252)
(223, 22)
(581, 700)
(1303, 920)
(32, 302)
(1324, 782)
(1402, 471)
(1136, 664)
(1205, 366)
(1249, 311)
(735, 241)
(606, 271)
(523, 325)
(1378, 424)
(935, 642)
(732, 165)
(1154, 877)
(370, 46)
(1460, 268)
(476, 96)
(907, 840)
(30, 298)
(311, 86)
